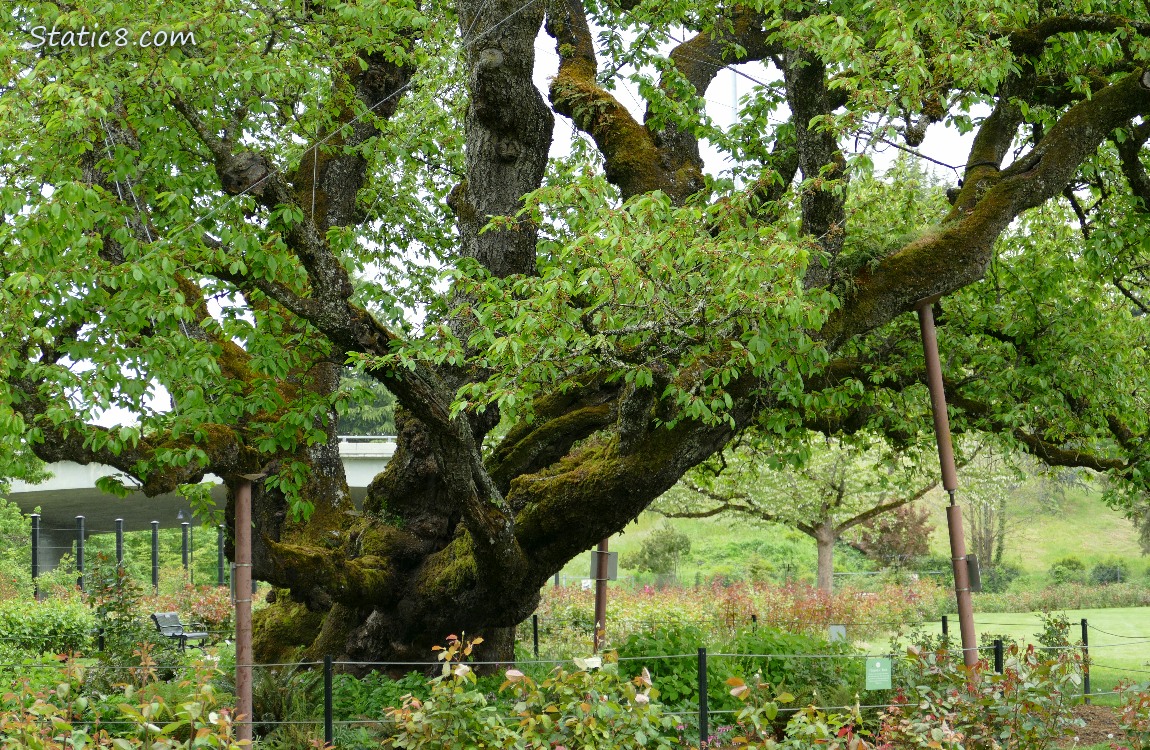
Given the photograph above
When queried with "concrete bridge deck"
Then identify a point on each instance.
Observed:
(71, 492)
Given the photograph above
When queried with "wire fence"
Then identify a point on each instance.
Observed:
(322, 715)
(699, 713)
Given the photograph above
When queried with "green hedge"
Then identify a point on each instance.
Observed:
(51, 626)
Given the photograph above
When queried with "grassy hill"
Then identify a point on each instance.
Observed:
(1042, 527)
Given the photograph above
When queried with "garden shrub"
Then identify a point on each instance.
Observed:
(897, 539)
(1134, 718)
(566, 619)
(1067, 596)
(744, 655)
(69, 715)
(661, 551)
(372, 694)
(986, 639)
(997, 579)
(1068, 570)
(57, 625)
(132, 648)
(1055, 631)
(589, 710)
(585, 709)
(210, 606)
(1113, 570)
(15, 575)
(678, 678)
(115, 600)
(1028, 707)
(759, 569)
(837, 679)
(757, 722)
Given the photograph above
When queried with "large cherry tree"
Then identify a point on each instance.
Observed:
(209, 234)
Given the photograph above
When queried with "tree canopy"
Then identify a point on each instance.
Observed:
(209, 233)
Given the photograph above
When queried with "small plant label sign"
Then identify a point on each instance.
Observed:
(837, 633)
(878, 673)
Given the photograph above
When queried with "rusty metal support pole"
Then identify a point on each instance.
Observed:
(600, 596)
(244, 610)
(950, 483)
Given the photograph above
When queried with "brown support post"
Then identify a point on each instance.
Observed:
(600, 596)
(244, 610)
(949, 482)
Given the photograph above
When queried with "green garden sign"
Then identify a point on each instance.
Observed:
(878, 673)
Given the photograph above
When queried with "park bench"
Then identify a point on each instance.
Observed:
(169, 625)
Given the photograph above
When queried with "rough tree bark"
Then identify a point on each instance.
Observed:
(825, 538)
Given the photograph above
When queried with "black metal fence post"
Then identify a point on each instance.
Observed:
(328, 731)
(220, 555)
(155, 557)
(754, 623)
(945, 627)
(80, 552)
(703, 732)
(184, 545)
(120, 543)
(1085, 663)
(998, 655)
(535, 634)
(36, 555)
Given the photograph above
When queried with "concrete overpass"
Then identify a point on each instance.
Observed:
(72, 492)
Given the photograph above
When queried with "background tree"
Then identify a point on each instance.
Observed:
(837, 487)
(235, 221)
(988, 483)
(370, 409)
(897, 538)
(661, 551)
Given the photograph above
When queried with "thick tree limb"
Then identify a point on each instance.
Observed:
(632, 159)
(819, 157)
(957, 253)
(1032, 41)
(508, 129)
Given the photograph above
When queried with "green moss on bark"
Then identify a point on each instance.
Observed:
(283, 629)
(450, 570)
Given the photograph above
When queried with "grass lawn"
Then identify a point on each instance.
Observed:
(1119, 641)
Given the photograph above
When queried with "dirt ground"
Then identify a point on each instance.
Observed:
(1101, 726)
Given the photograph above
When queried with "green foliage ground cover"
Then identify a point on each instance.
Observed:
(379, 706)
